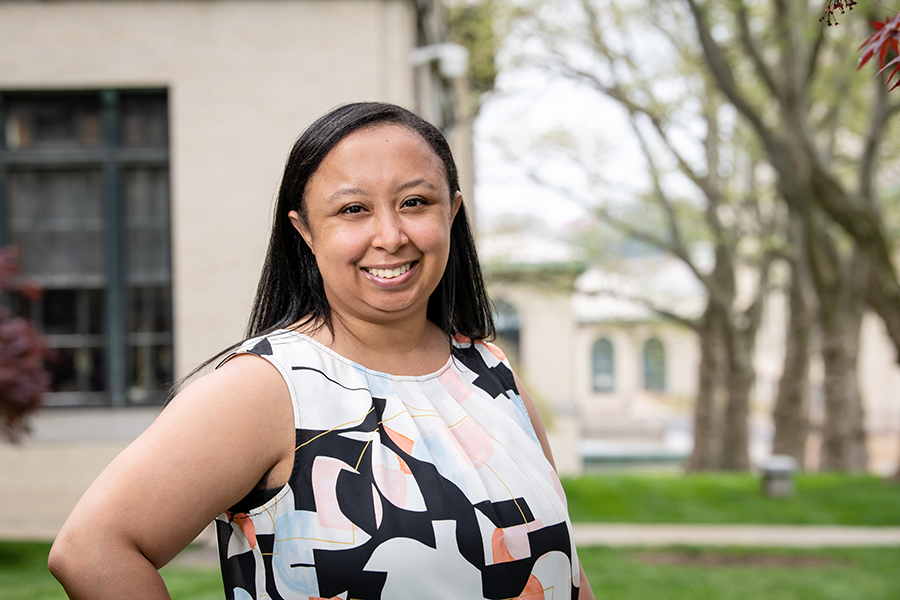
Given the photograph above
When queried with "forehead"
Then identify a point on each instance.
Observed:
(375, 149)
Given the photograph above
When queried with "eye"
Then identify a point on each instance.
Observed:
(413, 202)
(353, 209)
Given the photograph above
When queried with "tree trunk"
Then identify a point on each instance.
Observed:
(791, 414)
(736, 427)
(707, 429)
(840, 285)
(843, 433)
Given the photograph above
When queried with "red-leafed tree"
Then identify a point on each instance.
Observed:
(23, 377)
(883, 44)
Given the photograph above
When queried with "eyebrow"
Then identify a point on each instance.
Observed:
(346, 191)
(358, 191)
(416, 183)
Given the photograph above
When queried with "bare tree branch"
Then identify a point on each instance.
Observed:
(762, 69)
(722, 72)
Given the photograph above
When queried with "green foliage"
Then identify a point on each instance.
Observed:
(24, 574)
(821, 499)
(743, 574)
(471, 24)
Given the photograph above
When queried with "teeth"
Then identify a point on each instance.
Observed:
(390, 273)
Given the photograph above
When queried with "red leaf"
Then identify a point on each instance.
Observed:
(884, 39)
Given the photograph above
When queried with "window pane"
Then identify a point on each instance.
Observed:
(149, 310)
(149, 372)
(56, 217)
(64, 196)
(146, 196)
(78, 369)
(144, 120)
(654, 365)
(603, 366)
(60, 121)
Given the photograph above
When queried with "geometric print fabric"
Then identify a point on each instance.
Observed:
(402, 487)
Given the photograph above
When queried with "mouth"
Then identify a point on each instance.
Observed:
(389, 273)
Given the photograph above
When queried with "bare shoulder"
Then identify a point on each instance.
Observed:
(214, 442)
(245, 380)
(244, 396)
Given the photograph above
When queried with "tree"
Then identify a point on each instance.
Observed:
(590, 44)
(798, 115)
(788, 64)
(471, 24)
(23, 378)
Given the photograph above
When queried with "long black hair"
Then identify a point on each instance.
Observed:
(290, 288)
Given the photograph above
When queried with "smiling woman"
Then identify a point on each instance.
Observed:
(377, 216)
(365, 441)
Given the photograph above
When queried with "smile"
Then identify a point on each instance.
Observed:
(389, 273)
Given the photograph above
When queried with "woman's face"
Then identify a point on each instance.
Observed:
(378, 222)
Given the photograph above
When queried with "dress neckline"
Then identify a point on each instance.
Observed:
(322, 347)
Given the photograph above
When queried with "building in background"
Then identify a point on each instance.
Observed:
(618, 381)
(140, 153)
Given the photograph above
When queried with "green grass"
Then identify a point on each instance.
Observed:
(844, 574)
(623, 574)
(24, 576)
(821, 499)
(620, 573)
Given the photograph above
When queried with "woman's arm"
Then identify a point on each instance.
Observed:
(584, 591)
(210, 446)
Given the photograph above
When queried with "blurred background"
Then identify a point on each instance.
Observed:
(686, 211)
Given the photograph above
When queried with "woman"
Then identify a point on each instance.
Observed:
(380, 448)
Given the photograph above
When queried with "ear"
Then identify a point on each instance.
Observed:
(455, 203)
(300, 225)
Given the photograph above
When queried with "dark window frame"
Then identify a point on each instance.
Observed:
(113, 158)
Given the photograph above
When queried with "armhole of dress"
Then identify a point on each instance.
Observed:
(259, 498)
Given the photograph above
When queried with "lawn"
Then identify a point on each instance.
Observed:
(660, 574)
(615, 573)
(821, 499)
(743, 574)
(24, 576)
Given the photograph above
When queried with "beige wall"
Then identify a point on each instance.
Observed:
(546, 340)
(244, 78)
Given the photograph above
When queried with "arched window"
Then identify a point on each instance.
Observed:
(654, 365)
(603, 365)
(506, 322)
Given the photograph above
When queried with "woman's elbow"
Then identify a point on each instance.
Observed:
(64, 558)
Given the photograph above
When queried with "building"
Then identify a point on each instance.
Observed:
(140, 153)
(618, 381)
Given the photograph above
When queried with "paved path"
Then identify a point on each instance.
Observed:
(203, 553)
(804, 536)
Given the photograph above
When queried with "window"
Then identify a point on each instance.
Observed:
(84, 192)
(654, 365)
(603, 366)
(506, 321)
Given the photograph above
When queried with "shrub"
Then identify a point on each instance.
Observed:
(23, 376)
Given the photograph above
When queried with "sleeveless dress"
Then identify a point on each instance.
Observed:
(402, 487)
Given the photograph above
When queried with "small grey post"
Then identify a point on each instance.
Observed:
(778, 476)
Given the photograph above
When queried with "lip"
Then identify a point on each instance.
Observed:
(392, 281)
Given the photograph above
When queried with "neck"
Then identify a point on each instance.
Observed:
(409, 346)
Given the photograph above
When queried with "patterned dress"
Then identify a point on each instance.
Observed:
(402, 487)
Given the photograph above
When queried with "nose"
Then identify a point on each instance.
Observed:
(388, 234)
